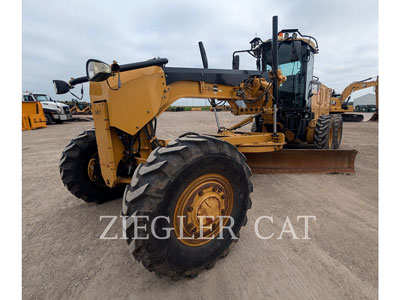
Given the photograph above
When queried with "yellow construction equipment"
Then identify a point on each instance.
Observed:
(32, 115)
(197, 187)
(76, 110)
(340, 102)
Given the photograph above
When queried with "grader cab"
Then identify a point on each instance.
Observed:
(198, 185)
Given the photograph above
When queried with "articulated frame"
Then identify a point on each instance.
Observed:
(144, 95)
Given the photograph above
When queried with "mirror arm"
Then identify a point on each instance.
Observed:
(75, 81)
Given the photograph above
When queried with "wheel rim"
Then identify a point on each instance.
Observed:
(340, 133)
(204, 201)
(330, 137)
(93, 170)
(90, 169)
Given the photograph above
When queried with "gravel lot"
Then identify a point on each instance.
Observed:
(63, 257)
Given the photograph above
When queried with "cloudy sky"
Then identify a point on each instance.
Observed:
(59, 36)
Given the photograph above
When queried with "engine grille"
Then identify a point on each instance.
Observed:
(66, 110)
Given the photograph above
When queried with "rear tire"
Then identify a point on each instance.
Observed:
(338, 131)
(74, 171)
(324, 132)
(156, 190)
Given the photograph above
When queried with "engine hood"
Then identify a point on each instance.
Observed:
(52, 105)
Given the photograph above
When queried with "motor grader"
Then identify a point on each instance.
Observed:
(199, 185)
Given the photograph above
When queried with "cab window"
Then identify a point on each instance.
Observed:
(41, 98)
(28, 98)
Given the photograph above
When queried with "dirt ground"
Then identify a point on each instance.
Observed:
(63, 257)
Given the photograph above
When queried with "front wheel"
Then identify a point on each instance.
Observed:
(49, 119)
(196, 185)
(324, 133)
(80, 170)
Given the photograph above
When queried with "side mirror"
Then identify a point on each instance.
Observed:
(311, 93)
(235, 62)
(97, 70)
(314, 86)
(61, 87)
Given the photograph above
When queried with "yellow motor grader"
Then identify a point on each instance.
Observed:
(197, 187)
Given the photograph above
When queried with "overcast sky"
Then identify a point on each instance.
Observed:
(60, 36)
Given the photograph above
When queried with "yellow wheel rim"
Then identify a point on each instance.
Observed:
(339, 133)
(201, 205)
(330, 137)
(90, 169)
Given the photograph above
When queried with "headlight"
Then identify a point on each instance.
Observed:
(97, 70)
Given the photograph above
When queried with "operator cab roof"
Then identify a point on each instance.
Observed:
(289, 35)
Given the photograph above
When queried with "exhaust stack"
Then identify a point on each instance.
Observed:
(275, 69)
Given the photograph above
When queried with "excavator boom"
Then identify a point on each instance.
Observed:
(356, 86)
(340, 104)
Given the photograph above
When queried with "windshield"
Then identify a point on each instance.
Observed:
(292, 91)
(41, 97)
(289, 69)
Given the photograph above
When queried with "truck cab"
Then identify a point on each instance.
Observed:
(54, 111)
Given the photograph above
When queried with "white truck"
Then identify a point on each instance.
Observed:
(55, 112)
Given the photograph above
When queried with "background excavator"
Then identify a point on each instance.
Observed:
(340, 102)
(79, 107)
(198, 186)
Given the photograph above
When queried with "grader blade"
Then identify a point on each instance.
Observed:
(311, 161)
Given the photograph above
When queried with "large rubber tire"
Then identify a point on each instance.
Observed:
(49, 119)
(74, 171)
(324, 132)
(155, 189)
(338, 131)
